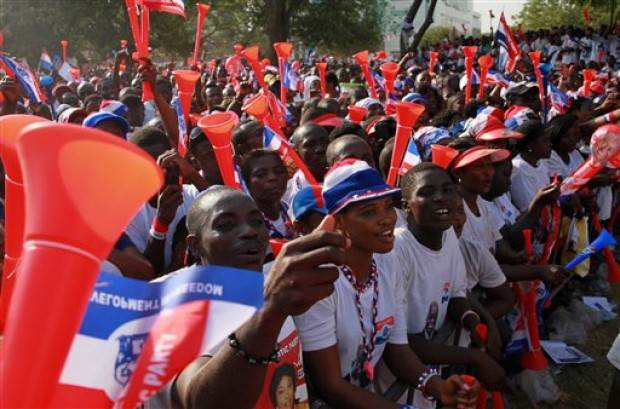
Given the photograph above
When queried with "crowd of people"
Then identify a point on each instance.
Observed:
(379, 295)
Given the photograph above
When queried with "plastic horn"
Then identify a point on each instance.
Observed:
(143, 51)
(322, 69)
(258, 107)
(527, 242)
(251, 54)
(186, 84)
(389, 71)
(535, 57)
(65, 47)
(361, 58)
(432, 61)
(534, 359)
(203, 10)
(283, 51)
(357, 114)
(59, 266)
(603, 241)
(238, 48)
(276, 246)
(218, 128)
(470, 53)
(613, 269)
(485, 62)
(11, 126)
(498, 403)
(588, 76)
(1, 39)
(132, 12)
(407, 113)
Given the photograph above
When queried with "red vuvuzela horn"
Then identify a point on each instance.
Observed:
(362, 59)
(251, 54)
(283, 51)
(443, 156)
(357, 114)
(11, 126)
(407, 113)
(485, 62)
(258, 107)
(65, 47)
(588, 76)
(322, 69)
(186, 84)
(203, 10)
(432, 61)
(469, 52)
(218, 128)
(389, 71)
(95, 183)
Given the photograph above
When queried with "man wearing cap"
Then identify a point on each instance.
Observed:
(305, 212)
(108, 122)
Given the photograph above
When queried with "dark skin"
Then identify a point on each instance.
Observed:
(539, 148)
(349, 146)
(253, 140)
(267, 184)
(231, 233)
(370, 226)
(500, 300)
(214, 97)
(204, 154)
(112, 127)
(429, 208)
(311, 142)
(476, 179)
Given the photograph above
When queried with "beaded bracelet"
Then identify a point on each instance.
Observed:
(423, 380)
(254, 360)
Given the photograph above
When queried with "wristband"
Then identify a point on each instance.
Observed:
(610, 118)
(157, 235)
(254, 360)
(466, 314)
(159, 227)
(423, 381)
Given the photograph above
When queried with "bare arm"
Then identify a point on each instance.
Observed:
(167, 114)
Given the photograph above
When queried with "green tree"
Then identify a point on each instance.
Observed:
(95, 27)
(539, 14)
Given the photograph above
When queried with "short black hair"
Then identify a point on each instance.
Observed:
(247, 164)
(280, 372)
(347, 128)
(199, 209)
(531, 130)
(131, 100)
(149, 136)
(409, 179)
(559, 126)
(243, 131)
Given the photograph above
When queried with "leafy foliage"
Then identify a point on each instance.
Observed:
(95, 27)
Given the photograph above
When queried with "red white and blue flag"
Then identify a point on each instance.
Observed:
(412, 158)
(291, 79)
(506, 40)
(497, 78)
(166, 6)
(136, 336)
(183, 137)
(45, 61)
(25, 78)
(274, 142)
(560, 101)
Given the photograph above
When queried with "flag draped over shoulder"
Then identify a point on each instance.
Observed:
(136, 336)
(24, 77)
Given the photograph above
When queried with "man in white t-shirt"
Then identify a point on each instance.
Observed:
(436, 274)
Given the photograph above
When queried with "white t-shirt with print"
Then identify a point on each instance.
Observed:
(482, 268)
(432, 279)
(557, 166)
(526, 180)
(485, 228)
(334, 320)
(139, 227)
(505, 209)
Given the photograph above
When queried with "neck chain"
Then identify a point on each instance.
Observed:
(368, 344)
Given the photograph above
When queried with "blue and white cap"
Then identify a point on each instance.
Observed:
(350, 181)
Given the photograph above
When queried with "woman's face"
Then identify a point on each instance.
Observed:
(568, 142)
(285, 393)
(267, 181)
(370, 224)
(477, 177)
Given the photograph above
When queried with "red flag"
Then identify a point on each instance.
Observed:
(586, 16)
